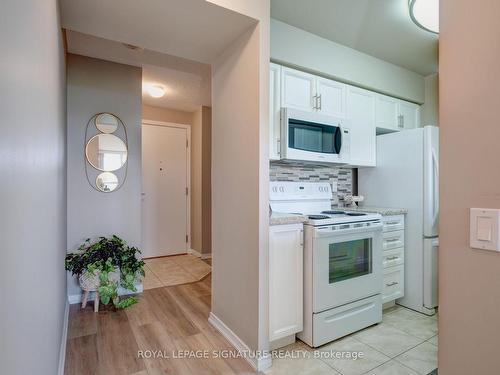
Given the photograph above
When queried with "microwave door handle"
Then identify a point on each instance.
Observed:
(338, 139)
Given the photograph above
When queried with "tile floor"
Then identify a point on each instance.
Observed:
(405, 343)
(174, 270)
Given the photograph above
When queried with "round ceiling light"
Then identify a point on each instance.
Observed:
(156, 91)
(425, 13)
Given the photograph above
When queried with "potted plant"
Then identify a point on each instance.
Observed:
(105, 264)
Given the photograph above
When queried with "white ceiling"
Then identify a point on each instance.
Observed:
(187, 82)
(193, 29)
(381, 28)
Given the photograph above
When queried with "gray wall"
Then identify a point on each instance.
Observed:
(298, 48)
(100, 86)
(32, 187)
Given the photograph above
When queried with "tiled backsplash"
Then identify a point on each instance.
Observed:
(296, 171)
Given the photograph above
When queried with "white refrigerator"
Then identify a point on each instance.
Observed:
(407, 176)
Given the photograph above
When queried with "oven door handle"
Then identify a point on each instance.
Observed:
(329, 232)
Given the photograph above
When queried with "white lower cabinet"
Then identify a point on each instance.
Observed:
(285, 280)
(393, 258)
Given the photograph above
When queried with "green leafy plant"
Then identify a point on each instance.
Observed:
(106, 256)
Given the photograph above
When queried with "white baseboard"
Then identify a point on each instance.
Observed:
(200, 255)
(259, 364)
(77, 298)
(64, 338)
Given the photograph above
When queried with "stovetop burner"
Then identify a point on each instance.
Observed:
(355, 213)
(318, 217)
(333, 212)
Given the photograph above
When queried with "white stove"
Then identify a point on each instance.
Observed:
(342, 262)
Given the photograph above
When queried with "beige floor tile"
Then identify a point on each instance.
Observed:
(392, 368)
(176, 270)
(300, 366)
(433, 340)
(176, 277)
(369, 359)
(150, 281)
(414, 323)
(422, 358)
(387, 339)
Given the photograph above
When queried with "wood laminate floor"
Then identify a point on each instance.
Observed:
(167, 321)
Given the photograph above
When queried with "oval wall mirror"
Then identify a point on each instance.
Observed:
(106, 123)
(106, 152)
(106, 182)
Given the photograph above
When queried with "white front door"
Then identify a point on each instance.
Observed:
(165, 180)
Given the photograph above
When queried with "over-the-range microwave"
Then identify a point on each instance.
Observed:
(314, 137)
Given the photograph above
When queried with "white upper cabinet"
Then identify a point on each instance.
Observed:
(331, 97)
(409, 115)
(393, 114)
(361, 113)
(274, 111)
(298, 89)
(386, 112)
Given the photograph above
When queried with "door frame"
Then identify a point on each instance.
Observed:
(188, 167)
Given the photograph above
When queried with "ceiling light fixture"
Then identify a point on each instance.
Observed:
(156, 91)
(425, 14)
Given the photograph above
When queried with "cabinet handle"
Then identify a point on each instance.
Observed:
(320, 102)
(392, 284)
(392, 240)
(392, 223)
(392, 258)
(278, 144)
(315, 102)
(400, 121)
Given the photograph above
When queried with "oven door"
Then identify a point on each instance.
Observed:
(347, 264)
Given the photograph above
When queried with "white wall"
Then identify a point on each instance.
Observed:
(32, 187)
(429, 111)
(101, 86)
(301, 49)
(469, 279)
(240, 178)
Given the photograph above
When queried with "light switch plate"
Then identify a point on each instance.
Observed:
(484, 229)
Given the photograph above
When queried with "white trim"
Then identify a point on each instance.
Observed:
(259, 364)
(64, 338)
(188, 167)
(200, 255)
(77, 298)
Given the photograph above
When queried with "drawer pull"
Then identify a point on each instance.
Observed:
(393, 240)
(392, 258)
(392, 284)
(392, 223)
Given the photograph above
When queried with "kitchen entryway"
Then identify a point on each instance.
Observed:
(405, 343)
(165, 184)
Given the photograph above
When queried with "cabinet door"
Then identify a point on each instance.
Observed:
(361, 113)
(274, 111)
(386, 112)
(409, 115)
(331, 97)
(298, 90)
(285, 280)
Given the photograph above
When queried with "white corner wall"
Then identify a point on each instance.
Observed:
(101, 86)
(32, 187)
(298, 48)
(240, 174)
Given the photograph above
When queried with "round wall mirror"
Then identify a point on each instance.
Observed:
(106, 182)
(106, 152)
(106, 123)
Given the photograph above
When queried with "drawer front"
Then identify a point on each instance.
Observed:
(338, 322)
(393, 287)
(393, 240)
(393, 257)
(392, 223)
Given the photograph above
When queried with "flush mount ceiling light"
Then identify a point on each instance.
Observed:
(156, 91)
(425, 13)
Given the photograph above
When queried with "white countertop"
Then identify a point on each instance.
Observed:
(384, 211)
(281, 218)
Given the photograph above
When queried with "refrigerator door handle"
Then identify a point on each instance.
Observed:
(435, 188)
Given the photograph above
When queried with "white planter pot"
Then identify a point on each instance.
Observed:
(90, 282)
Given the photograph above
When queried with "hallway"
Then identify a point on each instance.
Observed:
(167, 319)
